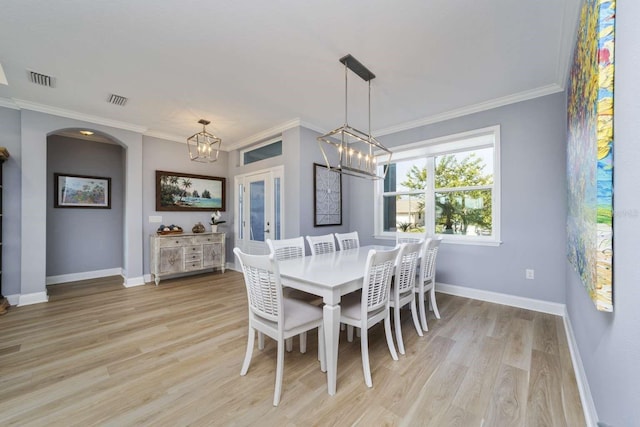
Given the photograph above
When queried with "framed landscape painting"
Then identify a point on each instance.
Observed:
(177, 191)
(590, 152)
(81, 191)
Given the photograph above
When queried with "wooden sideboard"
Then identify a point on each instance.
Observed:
(175, 254)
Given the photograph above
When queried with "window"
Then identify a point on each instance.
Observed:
(263, 151)
(447, 186)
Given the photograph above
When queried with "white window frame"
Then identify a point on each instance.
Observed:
(429, 149)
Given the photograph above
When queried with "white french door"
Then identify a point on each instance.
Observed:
(259, 208)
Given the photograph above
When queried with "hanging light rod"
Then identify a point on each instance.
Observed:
(356, 66)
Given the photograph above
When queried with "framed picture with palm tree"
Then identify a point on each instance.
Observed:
(177, 191)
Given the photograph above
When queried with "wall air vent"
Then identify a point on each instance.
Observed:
(117, 100)
(41, 79)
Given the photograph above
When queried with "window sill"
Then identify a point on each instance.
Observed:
(460, 241)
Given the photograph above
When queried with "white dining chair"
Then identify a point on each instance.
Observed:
(372, 305)
(282, 250)
(274, 315)
(348, 240)
(425, 282)
(402, 289)
(321, 244)
(406, 237)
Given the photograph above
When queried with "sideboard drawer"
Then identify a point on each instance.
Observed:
(193, 265)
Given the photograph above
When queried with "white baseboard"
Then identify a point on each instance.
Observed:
(504, 299)
(35, 298)
(588, 405)
(73, 277)
(13, 299)
(130, 282)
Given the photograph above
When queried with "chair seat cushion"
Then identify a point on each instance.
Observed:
(406, 292)
(351, 306)
(297, 313)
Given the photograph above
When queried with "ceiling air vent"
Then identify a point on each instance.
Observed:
(117, 100)
(40, 79)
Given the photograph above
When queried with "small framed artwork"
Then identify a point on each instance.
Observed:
(177, 191)
(81, 191)
(327, 196)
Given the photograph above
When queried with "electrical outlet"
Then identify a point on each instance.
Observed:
(529, 274)
(153, 219)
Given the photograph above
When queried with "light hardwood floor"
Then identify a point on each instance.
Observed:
(100, 354)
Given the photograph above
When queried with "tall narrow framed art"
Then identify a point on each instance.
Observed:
(327, 196)
(590, 152)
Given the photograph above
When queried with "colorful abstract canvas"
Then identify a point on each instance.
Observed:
(590, 152)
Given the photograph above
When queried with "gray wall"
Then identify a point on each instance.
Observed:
(11, 195)
(83, 240)
(159, 154)
(533, 202)
(609, 343)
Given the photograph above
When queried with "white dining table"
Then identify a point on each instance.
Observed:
(330, 276)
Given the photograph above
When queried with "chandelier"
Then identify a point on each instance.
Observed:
(203, 146)
(355, 152)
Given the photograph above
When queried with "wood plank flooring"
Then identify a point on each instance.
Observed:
(101, 354)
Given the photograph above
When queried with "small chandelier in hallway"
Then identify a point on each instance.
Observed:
(203, 146)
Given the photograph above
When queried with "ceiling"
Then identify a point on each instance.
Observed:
(256, 67)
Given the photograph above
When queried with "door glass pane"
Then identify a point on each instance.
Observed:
(277, 207)
(256, 206)
(240, 226)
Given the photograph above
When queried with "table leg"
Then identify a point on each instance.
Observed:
(331, 315)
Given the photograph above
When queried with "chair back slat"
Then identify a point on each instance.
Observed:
(406, 265)
(321, 244)
(348, 240)
(377, 280)
(406, 237)
(428, 265)
(287, 248)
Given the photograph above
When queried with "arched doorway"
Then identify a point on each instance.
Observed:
(85, 206)
(35, 127)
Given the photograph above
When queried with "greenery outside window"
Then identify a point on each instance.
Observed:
(447, 186)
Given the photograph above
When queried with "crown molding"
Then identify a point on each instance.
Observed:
(8, 103)
(464, 111)
(270, 133)
(41, 108)
(166, 136)
(3, 77)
